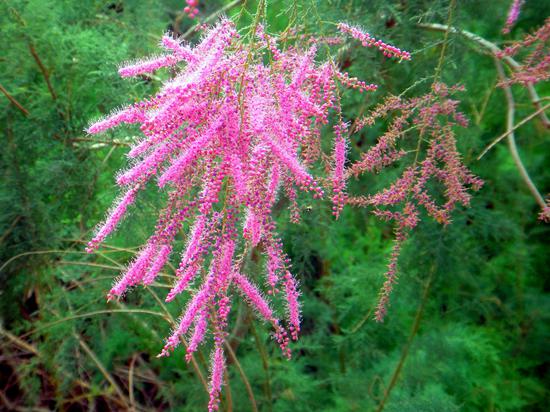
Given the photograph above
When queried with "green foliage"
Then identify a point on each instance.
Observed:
(477, 287)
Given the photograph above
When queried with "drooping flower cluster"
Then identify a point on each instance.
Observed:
(368, 41)
(535, 66)
(224, 137)
(513, 14)
(436, 183)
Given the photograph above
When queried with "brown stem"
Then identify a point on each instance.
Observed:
(131, 382)
(13, 101)
(244, 378)
(517, 125)
(512, 140)
(445, 41)
(406, 348)
(172, 321)
(265, 365)
(43, 70)
(10, 229)
(228, 397)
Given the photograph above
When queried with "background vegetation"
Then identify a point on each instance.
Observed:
(468, 328)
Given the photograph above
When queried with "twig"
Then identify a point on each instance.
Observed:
(10, 229)
(43, 70)
(208, 19)
(172, 321)
(131, 382)
(228, 397)
(406, 348)
(32, 349)
(19, 342)
(265, 365)
(437, 75)
(86, 315)
(102, 369)
(91, 264)
(517, 125)
(13, 101)
(36, 252)
(113, 142)
(511, 139)
(246, 382)
(494, 50)
(360, 324)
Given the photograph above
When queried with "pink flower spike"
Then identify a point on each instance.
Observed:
(115, 216)
(148, 66)
(338, 176)
(192, 248)
(252, 228)
(181, 51)
(368, 41)
(186, 277)
(127, 115)
(513, 15)
(194, 306)
(192, 152)
(293, 306)
(216, 377)
(201, 324)
(253, 296)
(145, 167)
(135, 273)
(158, 263)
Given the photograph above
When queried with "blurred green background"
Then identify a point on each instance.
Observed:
(468, 328)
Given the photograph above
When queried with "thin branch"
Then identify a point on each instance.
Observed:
(407, 347)
(18, 341)
(91, 264)
(228, 397)
(437, 75)
(131, 382)
(97, 142)
(13, 101)
(10, 229)
(360, 324)
(102, 369)
(172, 321)
(36, 252)
(86, 315)
(208, 19)
(493, 49)
(265, 365)
(512, 140)
(246, 382)
(517, 125)
(43, 70)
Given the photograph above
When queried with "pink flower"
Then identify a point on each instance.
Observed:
(368, 41)
(225, 137)
(513, 15)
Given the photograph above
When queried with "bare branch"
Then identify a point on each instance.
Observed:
(511, 139)
(13, 101)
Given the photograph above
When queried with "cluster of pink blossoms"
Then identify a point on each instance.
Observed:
(368, 41)
(513, 15)
(224, 137)
(535, 48)
(436, 182)
(192, 8)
